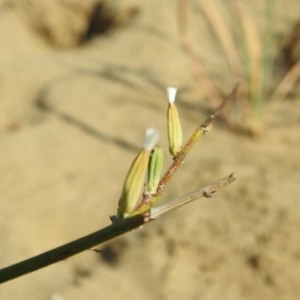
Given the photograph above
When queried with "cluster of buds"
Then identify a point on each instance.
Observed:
(149, 163)
(134, 182)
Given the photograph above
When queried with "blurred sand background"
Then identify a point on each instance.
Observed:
(73, 111)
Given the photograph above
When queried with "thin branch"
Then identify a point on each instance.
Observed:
(118, 228)
(202, 129)
(287, 83)
(60, 253)
(149, 200)
(206, 191)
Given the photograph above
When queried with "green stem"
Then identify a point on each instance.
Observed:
(118, 227)
(60, 253)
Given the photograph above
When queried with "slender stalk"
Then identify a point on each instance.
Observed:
(118, 228)
(206, 191)
(287, 83)
(60, 253)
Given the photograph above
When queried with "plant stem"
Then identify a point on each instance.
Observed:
(118, 228)
(60, 253)
(206, 191)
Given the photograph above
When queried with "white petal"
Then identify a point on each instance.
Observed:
(151, 139)
(171, 92)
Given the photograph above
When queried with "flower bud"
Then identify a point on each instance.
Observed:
(174, 126)
(154, 170)
(135, 178)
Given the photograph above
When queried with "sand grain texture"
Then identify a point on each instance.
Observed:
(71, 120)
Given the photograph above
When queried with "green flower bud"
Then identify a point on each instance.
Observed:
(174, 126)
(154, 170)
(135, 178)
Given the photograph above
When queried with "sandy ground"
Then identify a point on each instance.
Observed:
(71, 121)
